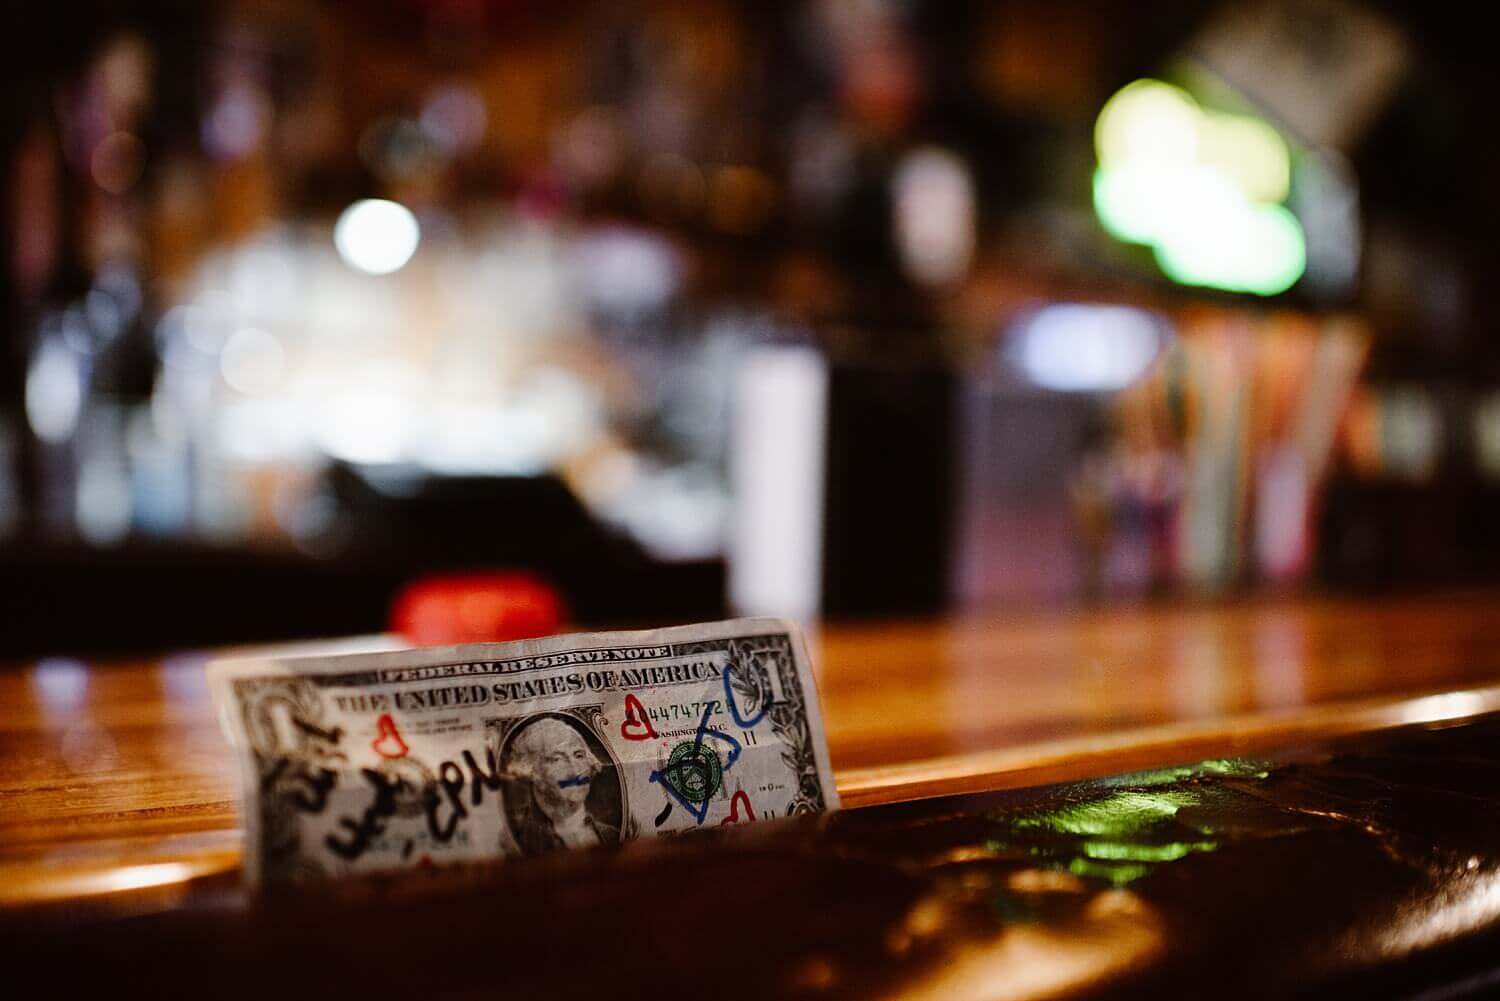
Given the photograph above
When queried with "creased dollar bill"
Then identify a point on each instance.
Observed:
(383, 761)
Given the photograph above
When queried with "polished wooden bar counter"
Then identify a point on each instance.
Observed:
(115, 776)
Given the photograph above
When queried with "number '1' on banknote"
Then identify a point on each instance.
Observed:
(384, 761)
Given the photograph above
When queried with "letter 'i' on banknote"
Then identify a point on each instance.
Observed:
(385, 761)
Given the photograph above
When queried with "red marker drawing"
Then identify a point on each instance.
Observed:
(388, 742)
(637, 725)
(734, 809)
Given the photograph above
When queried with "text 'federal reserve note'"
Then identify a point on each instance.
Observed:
(384, 761)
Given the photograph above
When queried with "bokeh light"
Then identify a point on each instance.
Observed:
(376, 236)
(934, 206)
(252, 361)
(1236, 247)
(1202, 188)
(1249, 152)
(1085, 347)
(54, 393)
(1148, 121)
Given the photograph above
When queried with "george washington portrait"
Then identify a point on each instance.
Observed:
(562, 789)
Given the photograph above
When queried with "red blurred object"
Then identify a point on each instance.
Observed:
(476, 608)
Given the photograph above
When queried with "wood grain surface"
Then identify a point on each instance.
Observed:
(114, 776)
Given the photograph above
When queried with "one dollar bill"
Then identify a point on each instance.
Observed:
(384, 761)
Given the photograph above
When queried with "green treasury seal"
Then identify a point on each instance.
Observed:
(693, 771)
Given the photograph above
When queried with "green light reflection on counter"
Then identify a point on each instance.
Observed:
(1218, 768)
(1115, 851)
(1129, 824)
(1120, 814)
(1117, 874)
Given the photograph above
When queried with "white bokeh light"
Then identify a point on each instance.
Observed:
(376, 236)
(54, 392)
(1083, 347)
(933, 204)
(252, 362)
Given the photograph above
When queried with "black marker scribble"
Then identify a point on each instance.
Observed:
(372, 823)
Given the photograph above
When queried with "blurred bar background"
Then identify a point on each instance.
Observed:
(831, 307)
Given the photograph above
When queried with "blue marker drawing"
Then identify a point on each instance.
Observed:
(734, 709)
(576, 780)
(700, 810)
